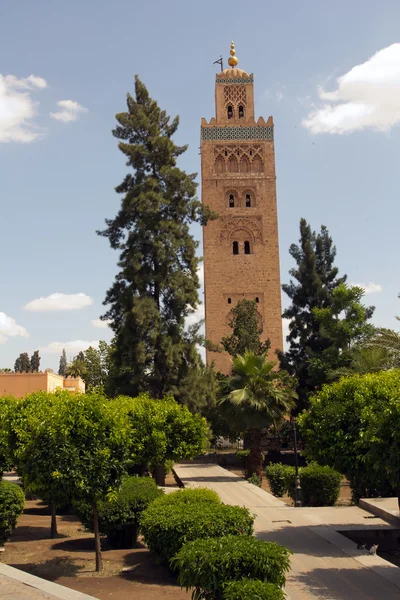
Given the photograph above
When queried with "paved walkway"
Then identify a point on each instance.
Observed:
(325, 565)
(18, 585)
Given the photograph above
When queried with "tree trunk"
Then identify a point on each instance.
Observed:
(53, 529)
(97, 545)
(398, 498)
(255, 460)
(159, 475)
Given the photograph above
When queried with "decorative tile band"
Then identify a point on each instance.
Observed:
(235, 80)
(237, 133)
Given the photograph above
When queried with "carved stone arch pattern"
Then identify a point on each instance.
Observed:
(238, 158)
(245, 194)
(232, 194)
(241, 229)
(235, 95)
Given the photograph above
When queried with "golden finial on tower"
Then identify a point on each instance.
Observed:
(233, 59)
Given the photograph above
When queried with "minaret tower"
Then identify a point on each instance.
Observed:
(241, 254)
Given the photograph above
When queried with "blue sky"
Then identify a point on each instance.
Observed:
(337, 142)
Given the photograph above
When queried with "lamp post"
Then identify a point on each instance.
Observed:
(297, 491)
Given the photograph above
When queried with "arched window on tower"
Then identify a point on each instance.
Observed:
(231, 201)
(235, 247)
(230, 112)
(241, 112)
(248, 201)
(247, 247)
(229, 300)
(233, 165)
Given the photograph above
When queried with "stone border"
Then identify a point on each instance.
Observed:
(384, 568)
(47, 587)
(377, 507)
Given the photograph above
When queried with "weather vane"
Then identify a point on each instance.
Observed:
(220, 61)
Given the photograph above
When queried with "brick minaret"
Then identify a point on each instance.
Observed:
(241, 254)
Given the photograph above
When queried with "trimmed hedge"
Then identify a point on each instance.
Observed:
(255, 480)
(320, 486)
(119, 517)
(188, 496)
(277, 476)
(12, 500)
(209, 565)
(252, 589)
(166, 528)
(243, 457)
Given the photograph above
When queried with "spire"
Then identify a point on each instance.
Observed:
(233, 59)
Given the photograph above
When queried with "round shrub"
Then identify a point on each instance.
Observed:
(166, 528)
(119, 517)
(188, 496)
(320, 486)
(12, 502)
(208, 565)
(253, 589)
(277, 476)
(243, 457)
(255, 480)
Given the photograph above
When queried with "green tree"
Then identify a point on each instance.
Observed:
(35, 362)
(77, 368)
(63, 363)
(259, 398)
(94, 375)
(157, 285)
(337, 428)
(7, 407)
(23, 363)
(246, 331)
(362, 360)
(313, 280)
(345, 324)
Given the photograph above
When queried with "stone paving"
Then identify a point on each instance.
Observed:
(325, 564)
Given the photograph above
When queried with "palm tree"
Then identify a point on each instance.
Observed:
(259, 398)
(370, 358)
(76, 368)
(388, 340)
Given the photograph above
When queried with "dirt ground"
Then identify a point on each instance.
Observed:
(344, 497)
(69, 559)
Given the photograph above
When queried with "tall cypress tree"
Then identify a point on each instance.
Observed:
(35, 362)
(157, 284)
(23, 363)
(314, 279)
(63, 363)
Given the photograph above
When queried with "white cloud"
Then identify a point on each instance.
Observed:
(367, 96)
(196, 316)
(71, 348)
(9, 328)
(70, 111)
(17, 109)
(369, 288)
(100, 324)
(59, 301)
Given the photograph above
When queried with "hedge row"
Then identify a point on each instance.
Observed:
(320, 485)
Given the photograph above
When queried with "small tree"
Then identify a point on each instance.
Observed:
(35, 362)
(23, 363)
(63, 363)
(259, 397)
(246, 331)
(77, 368)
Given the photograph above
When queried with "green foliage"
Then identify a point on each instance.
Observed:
(119, 516)
(35, 362)
(76, 368)
(63, 363)
(7, 407)
(12, 502)
(166, 528)
(314, 279)
(255, 480)
(258, 397)
(156, 288)
(162, 430)
(187, 496)
(339, 429)
(320, 485)
(22, 363)
(252, 589)
(246, 331)
(277, 476)
(207, 565)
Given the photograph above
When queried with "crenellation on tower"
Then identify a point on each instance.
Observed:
(241, 253)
